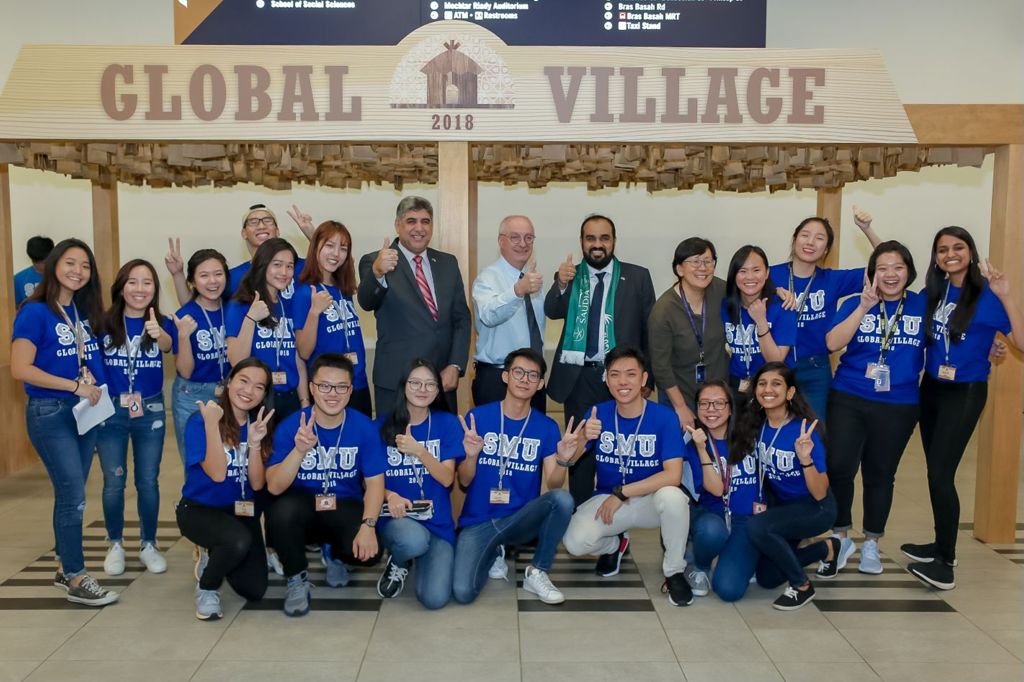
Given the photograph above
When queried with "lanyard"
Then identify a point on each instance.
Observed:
(802, 299)
(243, 467)
(278, 332)
(342, 312)
(221, 350)
(133, 351)
(329, 474)
(624, 462)
(721, 466)
(503, 452)
(764, 453)
(889, 327)
(699, 335)
(418, 467)
(945, 326)
(79, 332)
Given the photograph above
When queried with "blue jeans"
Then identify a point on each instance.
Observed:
(408, 539)
(184, 395)
(737, 562)
(544, 518)
(709, 535)
(777, 532)
(814, 379)
(67, 456)
(147, 436)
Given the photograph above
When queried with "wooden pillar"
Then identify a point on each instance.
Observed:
(1000, 437)
(106, 241)
(6, 266)
(830, 205)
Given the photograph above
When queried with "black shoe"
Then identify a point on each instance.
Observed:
(936, 573)
(830, 569)
(923, 553)
(679, 591)
(792, 598)
(392, 580)
(609, 564)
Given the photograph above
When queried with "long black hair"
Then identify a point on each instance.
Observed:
(88, 300)
(730, 398)
(113, 319)
(398, 421)
(733, 300)
(230, 429)
(256, 279)
(830, 234)
(752, 415)
(973, 284)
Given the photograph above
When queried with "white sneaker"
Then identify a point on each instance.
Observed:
(870, 561)
(152, 558)
(274, 562)
(499, 569)
(537, 582)
(113, 564)
(697, 580)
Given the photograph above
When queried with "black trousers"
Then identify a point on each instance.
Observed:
(589, 390)
(285, 403)
(949, 413)
(489, 388)
(870, 436)
(361, 401)
(235, 545)
(293, 520)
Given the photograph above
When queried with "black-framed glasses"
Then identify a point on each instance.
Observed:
(530, 375)
(266, 220)
(340, 389)
(712, 404)
(417, 385)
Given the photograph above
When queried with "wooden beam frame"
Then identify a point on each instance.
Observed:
(106, 234)
(830, 206)
(967, 124)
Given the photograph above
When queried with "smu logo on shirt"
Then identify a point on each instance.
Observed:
(910, 325)
(627, 445)
(396, 458)
(332, 312)
(211, 339)
(514, 448)
(284, 330)
(320, 458)
(780, 463)
(131, 347)
(66, 337)
(941, 318)
(816, 300)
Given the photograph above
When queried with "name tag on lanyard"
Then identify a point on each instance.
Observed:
(326, 503)
(133, 402)
(947, 372)
(882, 376)
(500, 496)
(245, 508)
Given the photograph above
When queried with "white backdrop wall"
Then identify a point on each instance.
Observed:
(938, 51)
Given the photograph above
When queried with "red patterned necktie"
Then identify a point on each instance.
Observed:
(421, 280)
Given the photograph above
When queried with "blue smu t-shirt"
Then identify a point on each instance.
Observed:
(782, 468)
(149, 363)
(742, 483)
(274, 346)
(745, 348)
(201, 488)
(341, 464)
(56, 353)
(442, 436)
(623, 458)
(525, 458)
(237, 273)
(827, 287)
(335, 333)
(905, 357)
(25, 282)
(209, 343)
(970, 355)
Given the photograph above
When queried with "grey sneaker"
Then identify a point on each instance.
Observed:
(296, 601)
(90, 593)
(698, 580)
(337, 571)
(274, 562)
(201, 558)
(870, 561)
(59, 581)
(499, 569)
(208, 604)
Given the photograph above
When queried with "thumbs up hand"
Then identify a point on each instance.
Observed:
(258, 310)
(592, 430)
(531, 281)
(386, 261)
(152, 326)
(408, 445)
(566, 272)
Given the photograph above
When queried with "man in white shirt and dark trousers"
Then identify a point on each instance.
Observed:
(509, 310)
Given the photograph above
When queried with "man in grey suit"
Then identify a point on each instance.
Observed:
(419, 302)
(623, 295)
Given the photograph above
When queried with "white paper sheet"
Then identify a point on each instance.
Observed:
(87, 416)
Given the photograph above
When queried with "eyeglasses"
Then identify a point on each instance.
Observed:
(417, 385)
(266, 220)
(519, 238)
(530, 375)
(712, 404)
(340, 389)
(701, 262)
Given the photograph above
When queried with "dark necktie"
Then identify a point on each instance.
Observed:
(536, 342)
(595, 316)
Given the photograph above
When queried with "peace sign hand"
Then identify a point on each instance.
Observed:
(869, 295)
(472, 443)
(303, 220)
(592, 426)
(996, 280)
(699, 436)
(320, 300)
(804, 444)
(570, 442)
(305, 437)
(211, 411)
(152, 327)
(173, 260)
(258, 427)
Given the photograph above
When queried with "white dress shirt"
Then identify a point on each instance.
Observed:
(501, 322)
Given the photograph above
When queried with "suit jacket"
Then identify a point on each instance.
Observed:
(634, 299)
(405, 329)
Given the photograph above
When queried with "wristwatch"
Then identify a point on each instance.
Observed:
(371, 523)
(617, 492)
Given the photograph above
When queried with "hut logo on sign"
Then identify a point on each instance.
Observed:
(465, 74)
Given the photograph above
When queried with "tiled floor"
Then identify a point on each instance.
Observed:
(858, 628)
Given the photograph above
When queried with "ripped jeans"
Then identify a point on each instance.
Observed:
(147, 437)
(66, 455)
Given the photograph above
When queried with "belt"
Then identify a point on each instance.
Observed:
(477, 363)
(594, 363)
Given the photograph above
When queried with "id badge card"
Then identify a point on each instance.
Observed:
(133, 402)
(218, 390)
(882, 379)
(744, 385)
(500, 496)
(245, 508)
(947, 372)
(352, 357)
(700, 373)
(279, 378)
(760, 507)
(326, 503)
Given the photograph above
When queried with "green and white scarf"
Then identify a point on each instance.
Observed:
(574, 344)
